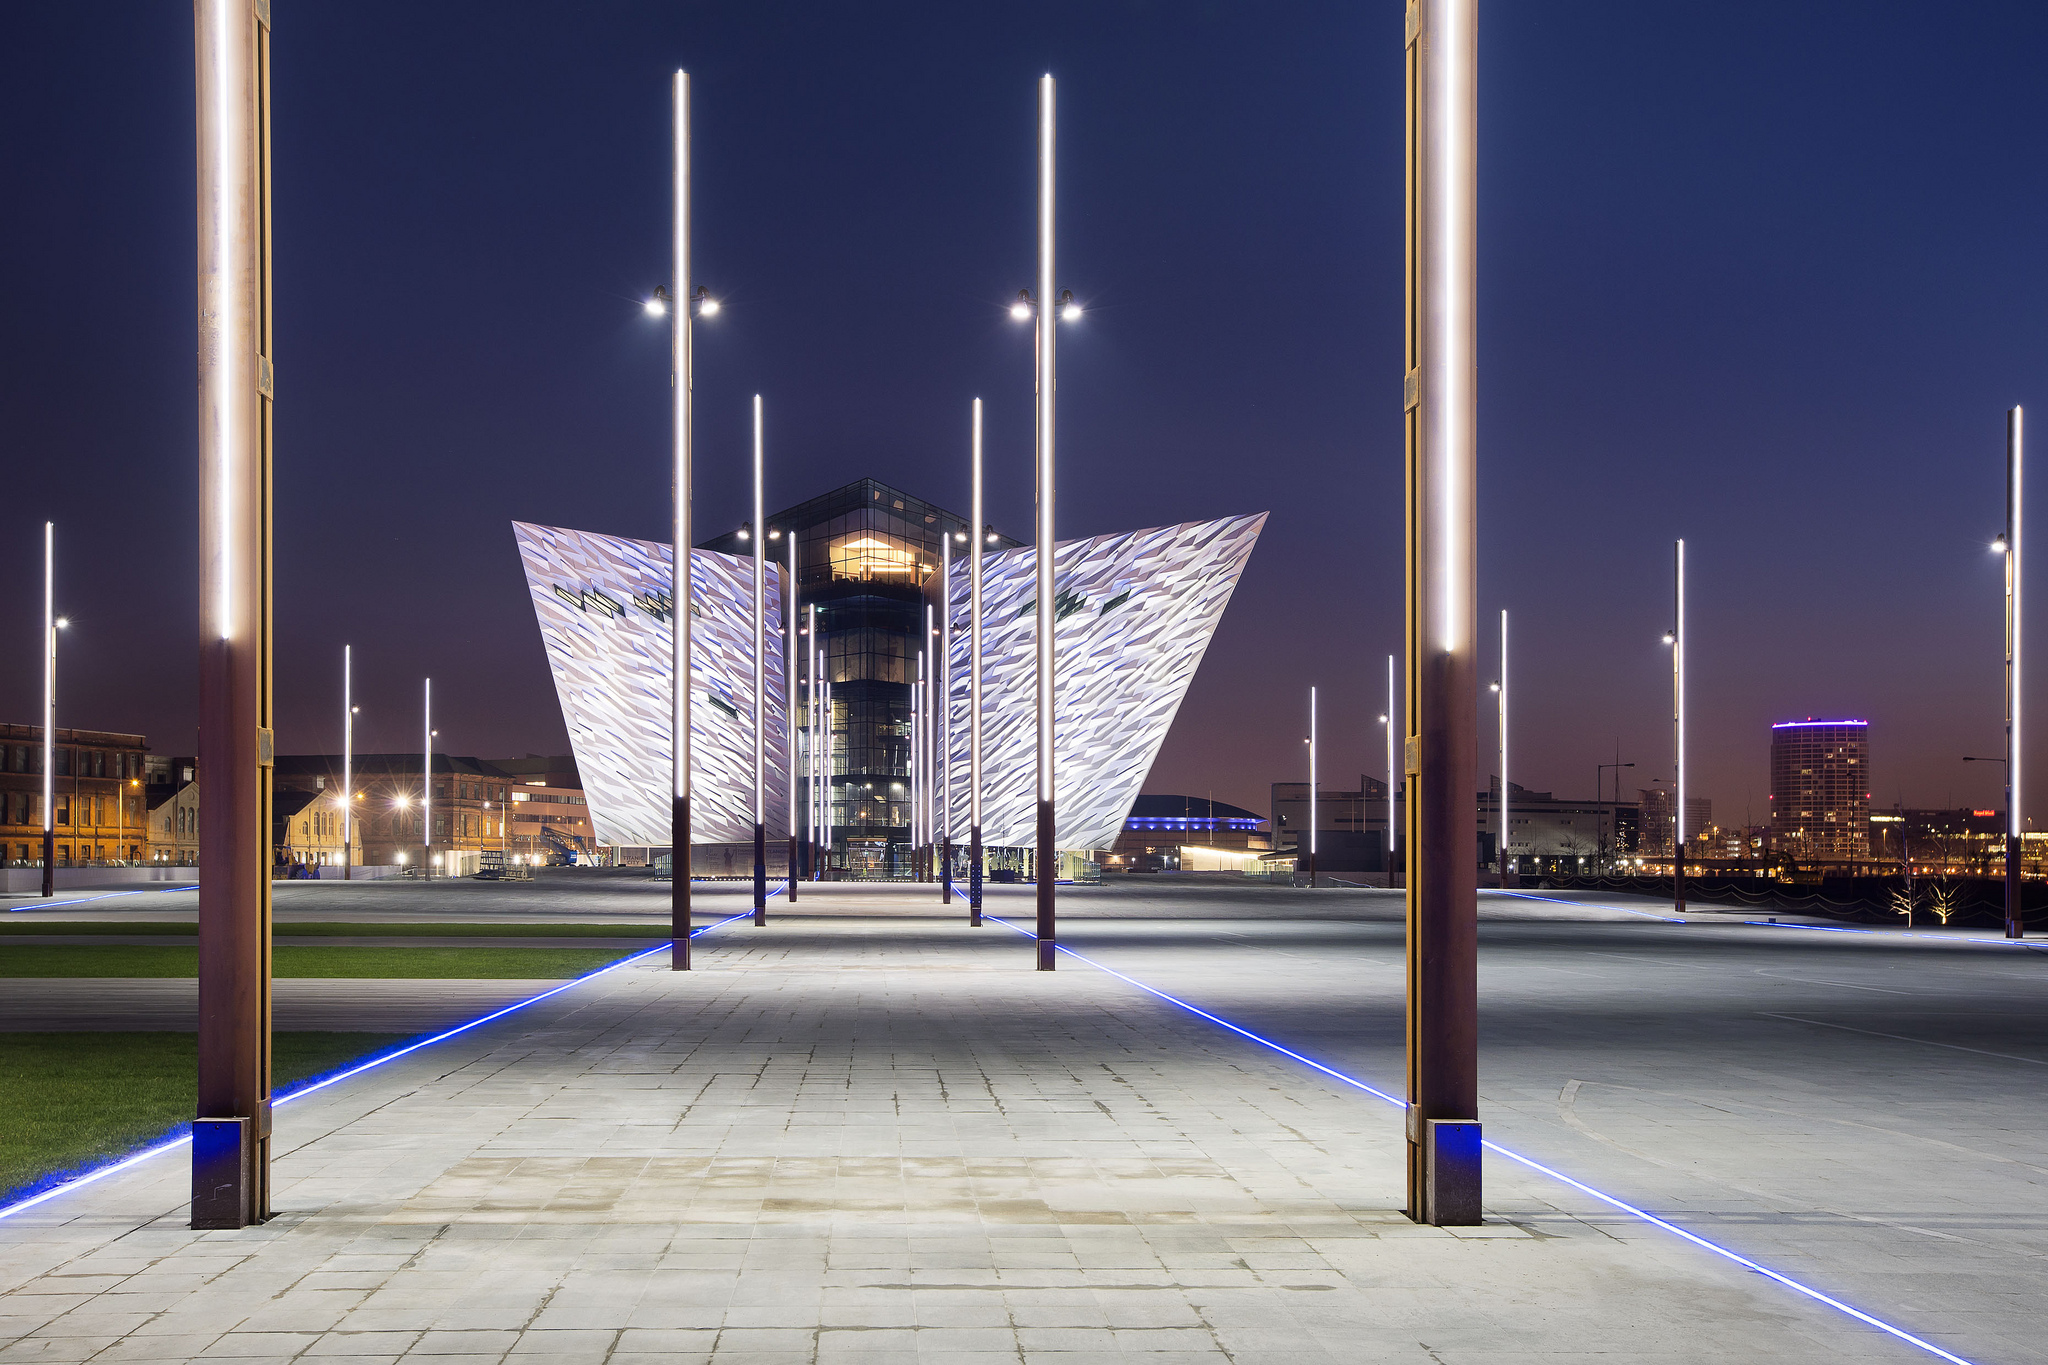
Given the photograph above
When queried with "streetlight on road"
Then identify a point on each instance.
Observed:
(52, 623)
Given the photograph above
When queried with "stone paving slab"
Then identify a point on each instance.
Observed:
(817, 1149)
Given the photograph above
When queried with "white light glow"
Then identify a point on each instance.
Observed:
(708, 307)
(1021, 311)
(656, 308)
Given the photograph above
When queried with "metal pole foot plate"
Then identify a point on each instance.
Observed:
(223, 1173)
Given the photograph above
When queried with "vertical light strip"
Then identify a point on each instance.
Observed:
(829, 756)
(2014, 583)
(943, 737)
(1394, 731)
(224, 302)
(1500, 852)
(49, 681)
(916, 751)
(760, 629)
(789, 680)
(348, 756)
(976, 536)
(680, 398)
(427, 782)
(1678, 716)
(1311, 784)
(812, 766)
(1449, 370)
(1048, 384)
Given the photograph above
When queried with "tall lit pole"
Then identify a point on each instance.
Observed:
(1440, 402)
(789, 676)
(945, 737)
(1392, 720)
(917, 765)
(760, 631)
(2015, 910)
(814, 699)
(348, 759)
(427, 782)
(230, 1136)
(681, 399)
(1047, 859)
(1677, 641)
(50, 628)
(1500, 851)
(977, 535)
(1311, 788)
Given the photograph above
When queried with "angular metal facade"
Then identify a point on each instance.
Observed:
(1134, 614)
(605, 616)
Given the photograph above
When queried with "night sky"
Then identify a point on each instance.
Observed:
(1762, 275)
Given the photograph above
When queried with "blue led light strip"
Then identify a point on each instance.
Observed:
(52, 905)
(138, 1158)
(1809, 1291)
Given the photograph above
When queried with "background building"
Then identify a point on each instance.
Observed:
(470, 796)
(98, 796)
(1160, 827)
(1820, 789)
(549, 815)
(1653, 822)
(171, 794)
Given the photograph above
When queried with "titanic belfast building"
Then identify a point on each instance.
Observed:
(866, 712)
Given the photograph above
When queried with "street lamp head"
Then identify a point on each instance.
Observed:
(1999, 546)
(746, 530)
(657, 303)
(707, 307)
(1670, 637)
(1021, 310)
(1383, 720)
(988, 534)
(774, 534)
(960, 536)
(1493, 687)
(1069, 310)
(63, 621)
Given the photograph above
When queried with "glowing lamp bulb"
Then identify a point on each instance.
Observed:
(707, 306)
(1070, 312)
(1020, 311)
(63, 621)
(1998, 547)
(1669, 638)
(656, 308)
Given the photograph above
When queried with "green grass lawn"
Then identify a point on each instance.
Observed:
(283, 929)
(76, 1100)
(123, 959)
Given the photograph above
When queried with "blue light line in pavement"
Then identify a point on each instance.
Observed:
(1737, 1257)
(152, 891)
(1559, 900)
(1894, 933)
(100, 1173)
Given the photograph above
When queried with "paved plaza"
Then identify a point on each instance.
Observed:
(868, 1133)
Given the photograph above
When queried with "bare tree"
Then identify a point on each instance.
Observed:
(1902, 903)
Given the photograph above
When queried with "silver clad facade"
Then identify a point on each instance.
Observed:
(605, 615)
(1134, 614)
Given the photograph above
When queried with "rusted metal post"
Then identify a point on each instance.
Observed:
(1439, 399)
(231, 1130)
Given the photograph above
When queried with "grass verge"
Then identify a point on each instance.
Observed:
(79, 1100)
(140, 960)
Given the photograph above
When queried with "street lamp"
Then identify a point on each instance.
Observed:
(427, 859)
(52, 623)
(1675, 638)
(759, 630)
(981, 538)
(348, 754)
(1047, 378)
(1500, 688)
(1393, 759)
(681, 390)
(789, 676)
(1614, 815)
(2012, 545)
(1311, 742)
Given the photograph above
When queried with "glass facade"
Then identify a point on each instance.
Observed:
(868, 559)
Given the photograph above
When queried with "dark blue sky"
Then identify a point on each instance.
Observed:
(1765, 276)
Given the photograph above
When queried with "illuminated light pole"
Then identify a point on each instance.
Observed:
(1311, 742)
(1439, 400)
(945, 730)
(684, 304)
(427, 783)
(813, 765)
(1391, 720)
(916, 766)
(1675, 638)
(1500, 687)
(348, 760)
(2015, 910)
(979, 537)
(52, 623)
(760, 631)
(789, 673)
(825, 781)
(1049, 313)
(231, 1130)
